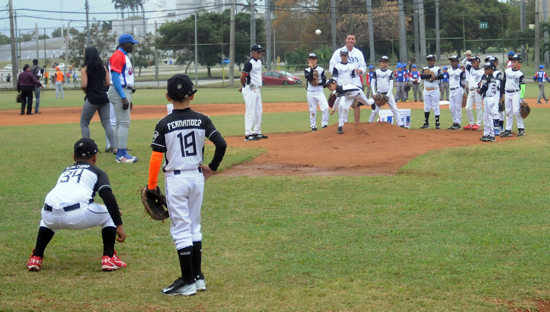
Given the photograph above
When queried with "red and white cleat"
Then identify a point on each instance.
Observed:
(468, 127)
(112, 263)
(35, 263)
(475, 127)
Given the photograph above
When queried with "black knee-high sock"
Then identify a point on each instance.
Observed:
(197, 258)
(426, 117)
(501, 123)
(186, 264)
(496, 123)
(109, 236)
(436, 119)
(44, 237)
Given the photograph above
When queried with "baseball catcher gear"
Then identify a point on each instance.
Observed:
(331, 100)
(524, 109)
(501, 106)
(464, 99)
(407, 87)
(315, 81)
(380, 99)
(154, 203)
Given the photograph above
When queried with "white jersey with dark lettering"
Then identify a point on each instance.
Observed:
(355, 57)
(513, 80)
(77, 184)
(181, 136)
(252, 69)
(343, 73)
(382, 80)
(435, 83)
(456, 75)
(474, 76)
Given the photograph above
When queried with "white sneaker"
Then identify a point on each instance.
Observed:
(200, 284)
(126, 159)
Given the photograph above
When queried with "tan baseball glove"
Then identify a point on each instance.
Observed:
(315, 81)
(501, 106)
(154, 203)
(380, 99)
(429, 72)
(524, 109)
(464, 99)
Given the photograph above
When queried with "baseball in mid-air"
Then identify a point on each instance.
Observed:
(318, 32)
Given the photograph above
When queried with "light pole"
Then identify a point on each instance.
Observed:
(87, 7)
(196, 49)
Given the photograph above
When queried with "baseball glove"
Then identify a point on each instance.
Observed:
(154, 203)
(18, 98)
(524, 109)
(407, 87)
(315, 81)
(464, 99)
(380, 100)
(429, 72)
(356, 103)
(331, 100)
(501, 106)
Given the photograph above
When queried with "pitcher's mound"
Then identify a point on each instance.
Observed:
(364, 149)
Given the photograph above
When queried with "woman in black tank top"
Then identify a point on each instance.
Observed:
(95, 82)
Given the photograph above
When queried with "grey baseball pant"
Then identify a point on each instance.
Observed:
(122, 125)
(88, 111)
(37, 95)
(444, 91)
(400, 94)
(417, 91)
(541, 93)
(59, 88)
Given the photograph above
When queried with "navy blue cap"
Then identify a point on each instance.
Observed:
(256, 48)
(330, 81)
(312, 55)
(454, 57)
(475, 58)
(489, 65)
(127, 38)
(85, 147)
(430, 56)
(344, 51)
(384, 58)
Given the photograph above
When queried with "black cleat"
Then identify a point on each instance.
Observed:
(340, 130)
(180, 288)
(506, 134)
(425, 126)
(521, 132)
(313, 129)
(261, 136)
(437, 125)
(323, 127)
(251, 137)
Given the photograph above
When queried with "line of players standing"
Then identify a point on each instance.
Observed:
(485, 85)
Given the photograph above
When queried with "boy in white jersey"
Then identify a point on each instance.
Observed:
(382, 83)
(70, 205)
(490, 92)
(251, 81)
(431, 91)
(315, 93)
(346, 95)
(475, 73)
(180, 137)
(456, 76)
(344, 73)
(514, 88)
(499, 115)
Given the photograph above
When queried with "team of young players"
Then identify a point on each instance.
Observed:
(486, 86)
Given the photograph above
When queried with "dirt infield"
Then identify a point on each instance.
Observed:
(364, 149)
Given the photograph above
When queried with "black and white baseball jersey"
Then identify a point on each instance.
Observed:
(456, 76)
(513, 79)
(77, 184)
(252, 69)
(427, 78)
(355, 57)
(343, 73)
(382, 80)
(181, 136)
(490, 87)
(342, 90)
(474, 76)
(309, 76)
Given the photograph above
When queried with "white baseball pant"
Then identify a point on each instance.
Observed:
(491, 110)
(394, 110)
(431, 101)
(455, 104)
(314, 98)
(184, 194)
(474, 97)
(344, 102)
(511, 100)
(253, 113)
(87, 216)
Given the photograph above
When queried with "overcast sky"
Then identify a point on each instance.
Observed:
(26, 24)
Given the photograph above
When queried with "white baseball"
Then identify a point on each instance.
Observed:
(318, 32)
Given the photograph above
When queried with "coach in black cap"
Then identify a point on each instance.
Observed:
(251, 81)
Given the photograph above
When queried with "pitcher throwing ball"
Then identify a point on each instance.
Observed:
(180, 136)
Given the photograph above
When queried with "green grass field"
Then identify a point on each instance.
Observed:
(454, 230)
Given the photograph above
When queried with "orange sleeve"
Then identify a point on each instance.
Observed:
(154, 168)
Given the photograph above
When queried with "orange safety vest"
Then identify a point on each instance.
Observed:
(59, 75)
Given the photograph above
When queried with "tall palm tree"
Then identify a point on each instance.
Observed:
(120, 5)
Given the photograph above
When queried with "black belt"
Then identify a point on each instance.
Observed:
(452, 89)
(67, 209)
(384, 93)
(511, 91)
(178, 172)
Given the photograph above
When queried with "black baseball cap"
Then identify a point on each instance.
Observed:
(85, 147)
(312, 55)
(430, 56)
(344, 51)
(475, 58)
(384, 58)
(330, 81)
(180, 86)
(256, 48)
(517, 58)
(454, 57)
(489, 65)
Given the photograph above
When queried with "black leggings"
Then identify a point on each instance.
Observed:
(26, 99)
